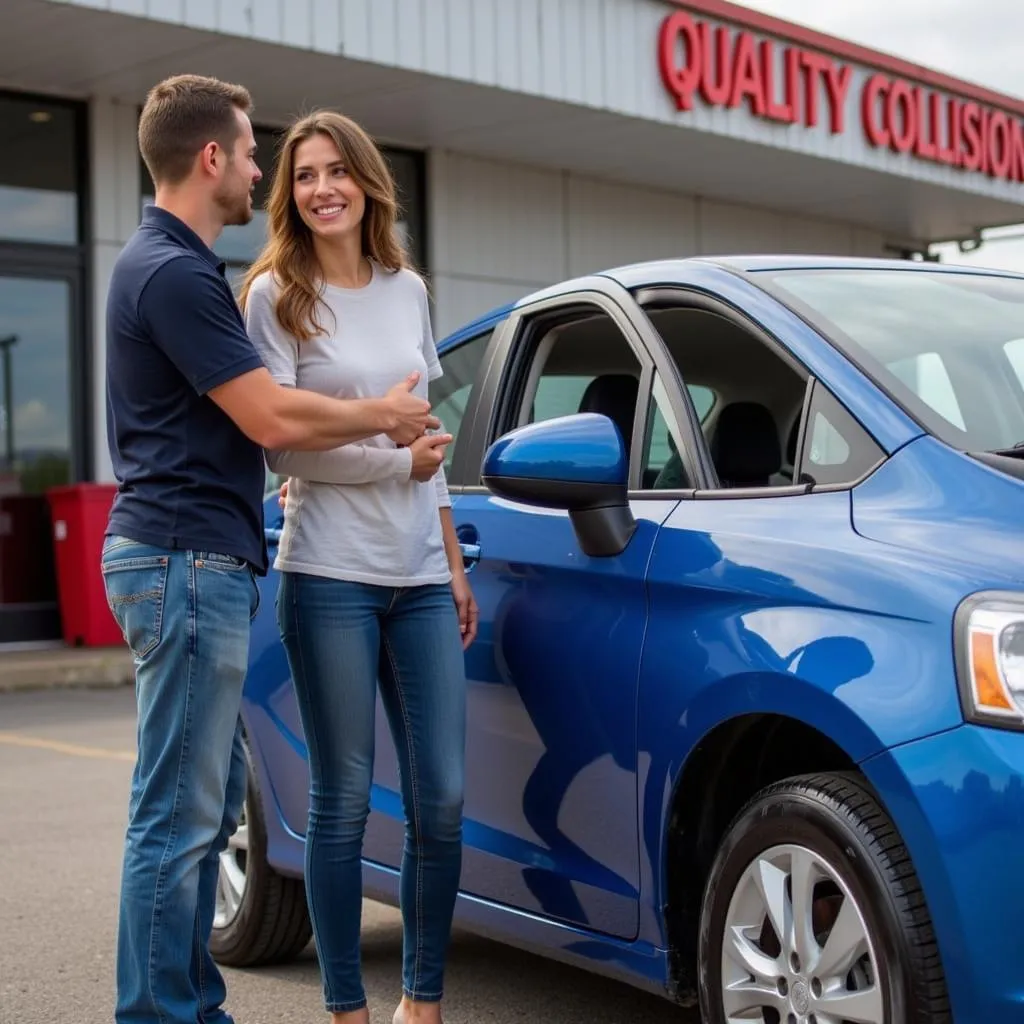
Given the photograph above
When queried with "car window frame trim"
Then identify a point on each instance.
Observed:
(604, 295)
(457, 475)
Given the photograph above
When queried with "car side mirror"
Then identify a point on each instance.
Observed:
(577, 463)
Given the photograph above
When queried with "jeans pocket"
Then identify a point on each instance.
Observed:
(218, 562)
(135, 592)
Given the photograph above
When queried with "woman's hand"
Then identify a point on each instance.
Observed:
(428, 455)
(465, 604)
(462, 592)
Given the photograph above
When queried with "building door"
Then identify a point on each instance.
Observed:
(44, 376)
(39, 314)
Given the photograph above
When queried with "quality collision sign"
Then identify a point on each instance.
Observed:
(794, 85)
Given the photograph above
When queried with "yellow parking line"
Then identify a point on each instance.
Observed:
(15, 740)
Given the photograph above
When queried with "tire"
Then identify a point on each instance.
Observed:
(829, 831)
(270, 924)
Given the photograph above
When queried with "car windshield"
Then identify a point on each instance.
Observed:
(948, 346)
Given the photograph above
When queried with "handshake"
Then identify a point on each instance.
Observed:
(411, 420)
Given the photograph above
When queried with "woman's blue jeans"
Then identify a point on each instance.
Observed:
(341, 638)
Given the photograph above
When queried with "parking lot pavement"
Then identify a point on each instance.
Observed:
(65, 764)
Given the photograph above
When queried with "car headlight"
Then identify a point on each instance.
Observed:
(990, 659)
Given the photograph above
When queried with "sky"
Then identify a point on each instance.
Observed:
(976, 40)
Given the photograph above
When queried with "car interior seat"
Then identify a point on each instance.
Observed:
(745, 447)
(672, 476)
(613, 395)
(787, 473)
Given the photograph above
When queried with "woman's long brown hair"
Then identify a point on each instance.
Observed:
(289, 254)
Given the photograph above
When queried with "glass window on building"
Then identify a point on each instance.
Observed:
(44, 409)
(238, 246)
(40, 173)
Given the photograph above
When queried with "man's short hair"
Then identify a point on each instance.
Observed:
(181, 115)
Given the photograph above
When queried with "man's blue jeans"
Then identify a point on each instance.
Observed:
(340, 638)
(186, 617)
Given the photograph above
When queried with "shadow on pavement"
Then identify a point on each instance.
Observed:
(489, 982)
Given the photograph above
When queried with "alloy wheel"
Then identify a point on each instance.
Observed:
(231, 877)
(796, 947)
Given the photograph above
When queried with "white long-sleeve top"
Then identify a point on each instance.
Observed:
(353, 513)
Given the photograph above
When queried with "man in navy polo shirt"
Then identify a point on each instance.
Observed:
(190, 409)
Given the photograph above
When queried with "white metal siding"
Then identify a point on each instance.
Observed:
(499, 222)
(610, 225)
(499, 231)
(599, 54)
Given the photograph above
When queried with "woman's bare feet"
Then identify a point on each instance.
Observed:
(410, 1012)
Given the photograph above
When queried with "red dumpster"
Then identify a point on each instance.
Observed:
(79, 515)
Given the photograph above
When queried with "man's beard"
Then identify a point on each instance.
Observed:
(236, 207)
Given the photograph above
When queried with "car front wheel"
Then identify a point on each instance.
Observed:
(261, 917)
(813, 915)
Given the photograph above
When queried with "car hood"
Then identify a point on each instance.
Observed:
(956, 510)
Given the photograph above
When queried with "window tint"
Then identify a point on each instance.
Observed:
(660, 445)
(559, 396)
(449, 395)
(583, 366)
(837, 449)
(745, 395)
(827, 445)
(703, 400)
(663, 465)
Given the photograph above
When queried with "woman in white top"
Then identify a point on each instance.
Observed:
(372, 581)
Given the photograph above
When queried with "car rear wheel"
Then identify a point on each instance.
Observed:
(260, 917)
(813, 915)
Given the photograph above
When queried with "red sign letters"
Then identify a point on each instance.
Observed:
(794, 85)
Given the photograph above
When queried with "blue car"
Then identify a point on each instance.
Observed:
(746, 709)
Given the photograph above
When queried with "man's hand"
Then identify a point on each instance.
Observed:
(411, 414)
(427, 455)
(282, 497)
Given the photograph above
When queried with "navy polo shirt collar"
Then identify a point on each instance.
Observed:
(165, 221)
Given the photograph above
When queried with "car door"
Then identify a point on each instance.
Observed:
(551, 797)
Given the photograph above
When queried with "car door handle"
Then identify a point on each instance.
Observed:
(470, 554)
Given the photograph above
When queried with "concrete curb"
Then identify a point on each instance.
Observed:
(79, 668)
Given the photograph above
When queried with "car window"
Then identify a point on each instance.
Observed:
(926, 375)
(750, 400)
(581, 365)
(945, 344)
(837, 449)
(663, 466)
(745, 395)
(450, 393)
(559, 396)
(1015, 354)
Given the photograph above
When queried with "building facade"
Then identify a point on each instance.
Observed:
(532, 140)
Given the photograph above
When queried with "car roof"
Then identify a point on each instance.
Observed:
(680, 270)
(685, 270)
